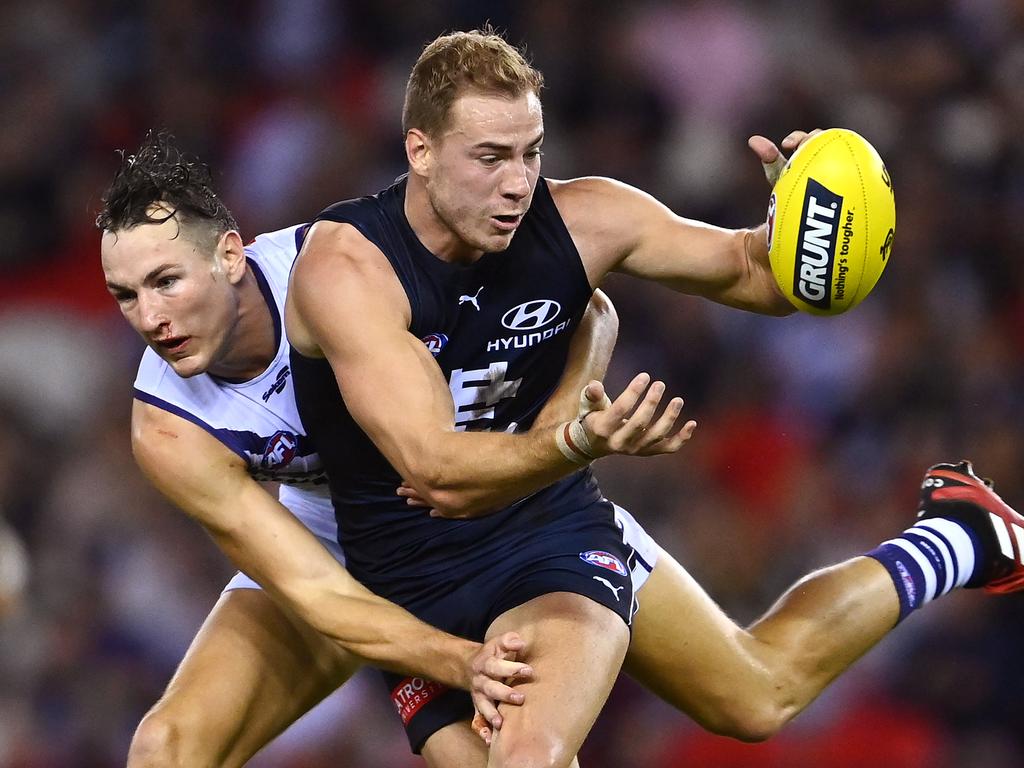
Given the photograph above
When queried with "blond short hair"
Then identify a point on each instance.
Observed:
(480, 60)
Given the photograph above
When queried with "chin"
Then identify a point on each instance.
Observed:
(187, 367)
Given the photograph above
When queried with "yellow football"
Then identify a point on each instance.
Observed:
(831, 222)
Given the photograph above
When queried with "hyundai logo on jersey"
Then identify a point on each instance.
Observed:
(605, 560)
(435, 342)
(531, 315)
(280, 450)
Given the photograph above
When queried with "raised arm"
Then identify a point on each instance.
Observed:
(210, 483)
(346, 304)
(620, 228)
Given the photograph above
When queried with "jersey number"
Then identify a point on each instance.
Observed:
(476, 392)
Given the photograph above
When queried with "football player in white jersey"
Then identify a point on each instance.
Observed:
(213, 413)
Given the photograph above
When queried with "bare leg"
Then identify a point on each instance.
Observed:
(748, 683)
(251, 671)
(575, 647)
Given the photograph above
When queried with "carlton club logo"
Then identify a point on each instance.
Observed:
(531, 315)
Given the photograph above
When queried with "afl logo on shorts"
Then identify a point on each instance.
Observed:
(604, 560)
(435, 342)
(280, 450)
(531, 315)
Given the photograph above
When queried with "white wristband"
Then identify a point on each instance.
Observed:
(571, 439)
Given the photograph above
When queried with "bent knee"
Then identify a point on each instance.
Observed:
(533, 752)
(163, 741)
(748, 721)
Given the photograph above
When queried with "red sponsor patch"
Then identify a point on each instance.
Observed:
(410, 695)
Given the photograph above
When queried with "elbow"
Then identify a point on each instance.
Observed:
(602, 310)
(439, 489)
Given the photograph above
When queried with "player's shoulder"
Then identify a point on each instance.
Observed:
(586, 189)
(596, 201)
(603, 215)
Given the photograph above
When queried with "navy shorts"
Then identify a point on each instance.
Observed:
(584, 554)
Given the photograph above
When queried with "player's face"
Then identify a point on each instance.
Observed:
(178, 297)
(486, 167)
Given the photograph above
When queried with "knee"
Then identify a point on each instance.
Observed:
(158, 742)
(747, 720)
(534, 752)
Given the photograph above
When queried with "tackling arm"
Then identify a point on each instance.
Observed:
(210, 483)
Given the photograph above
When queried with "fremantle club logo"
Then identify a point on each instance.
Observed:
(816, 245)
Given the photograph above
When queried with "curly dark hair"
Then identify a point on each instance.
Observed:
(159, 172)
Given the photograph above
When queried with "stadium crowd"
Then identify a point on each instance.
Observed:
(813, 432)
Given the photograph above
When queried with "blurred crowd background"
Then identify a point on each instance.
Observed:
(813, 432)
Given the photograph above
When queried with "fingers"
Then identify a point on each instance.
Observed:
(624, 404)
(509, 644)
(796, 138)
(488, 713)
(640, 432)
(411, 496)
(479, 726)
(594, 392)
(772, 159)
(765, 149)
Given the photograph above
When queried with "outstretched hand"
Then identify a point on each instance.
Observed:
(494, 670)
(629, 425)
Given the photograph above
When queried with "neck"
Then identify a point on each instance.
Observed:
(249, 344)
(436, 236)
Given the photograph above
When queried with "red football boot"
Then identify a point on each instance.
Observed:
(954, 491)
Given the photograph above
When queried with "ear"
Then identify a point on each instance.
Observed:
(418, 151)
(231, 252)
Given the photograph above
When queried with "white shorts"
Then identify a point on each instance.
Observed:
(645, 549)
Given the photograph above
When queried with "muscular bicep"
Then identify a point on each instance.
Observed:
(622, 229)
(351, 306)
(210, 483)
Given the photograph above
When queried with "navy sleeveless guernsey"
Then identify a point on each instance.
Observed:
(500, 330)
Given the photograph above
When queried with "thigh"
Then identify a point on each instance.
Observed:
(575, 647)
(684, 648)
(251, 671)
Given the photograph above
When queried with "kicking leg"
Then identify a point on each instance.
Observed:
(575, 647)
(251, 671)
(749, 683)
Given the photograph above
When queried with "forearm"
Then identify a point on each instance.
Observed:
(305, 578)
(589, 355)
(388, 636)
(472, 471)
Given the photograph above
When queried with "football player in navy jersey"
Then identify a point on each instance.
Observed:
(209, 385)
(474, 220)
